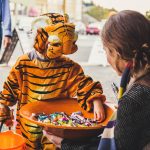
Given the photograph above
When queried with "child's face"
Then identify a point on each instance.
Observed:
(115, 60)
(57, 37)
(61, 40)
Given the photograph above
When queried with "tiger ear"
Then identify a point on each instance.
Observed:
(66, 18)
(39, 30)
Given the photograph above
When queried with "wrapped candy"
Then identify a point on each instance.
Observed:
(76, 119)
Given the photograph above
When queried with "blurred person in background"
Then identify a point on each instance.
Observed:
(5, 23)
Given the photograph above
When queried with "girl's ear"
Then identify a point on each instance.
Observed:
(115, 53)
(111, 52)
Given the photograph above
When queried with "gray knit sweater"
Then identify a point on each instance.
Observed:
(132, 130)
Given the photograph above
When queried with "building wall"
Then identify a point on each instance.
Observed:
(78, 9)
(72, 7)
(55, 6)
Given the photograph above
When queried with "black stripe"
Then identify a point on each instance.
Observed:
(54, 67)
(32, 126)
(8, 95)
(50, 84)
(58, 28)
(43, 92)
(30, 146)
(47, 77)
(84, 106)
(25, 136)
(9, 89)
(40, 132)
(13, 86)
(62, 32)
(69, 31)
(70, 26)
(84, 82)
(30, 97)
(25, 66)
(46, 34)
(36, 98)
(2, 97)
(25, 60)
(21, 125)
(18, 121)
(86, 95)
(12, 82)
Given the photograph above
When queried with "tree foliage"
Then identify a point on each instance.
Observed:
(99, 12)
(148, 14)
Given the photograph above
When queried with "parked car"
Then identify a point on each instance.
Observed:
(92, 29)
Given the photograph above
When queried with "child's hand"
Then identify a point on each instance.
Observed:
(10, 122)
(99, 112)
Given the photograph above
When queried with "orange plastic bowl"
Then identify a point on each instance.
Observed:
(68, 106)
(11, 141)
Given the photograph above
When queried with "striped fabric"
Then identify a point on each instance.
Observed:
(32, 79)
(107, 141)
(45, 74)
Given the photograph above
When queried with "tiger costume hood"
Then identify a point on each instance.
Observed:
(57, 38)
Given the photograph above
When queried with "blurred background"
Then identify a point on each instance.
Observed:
(84, 13)
(89, 16)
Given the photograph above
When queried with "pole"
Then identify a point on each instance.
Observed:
(64, 6)
(82, 10)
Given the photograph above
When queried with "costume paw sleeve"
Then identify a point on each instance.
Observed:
(84, 88)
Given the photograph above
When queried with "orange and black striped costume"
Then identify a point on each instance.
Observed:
(35, 78)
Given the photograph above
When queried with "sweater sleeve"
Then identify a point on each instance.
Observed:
(84, 88)
(131, 119)
(6, 18)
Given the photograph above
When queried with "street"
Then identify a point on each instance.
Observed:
(85, 43)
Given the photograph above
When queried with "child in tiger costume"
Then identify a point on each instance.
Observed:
(46, 73)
